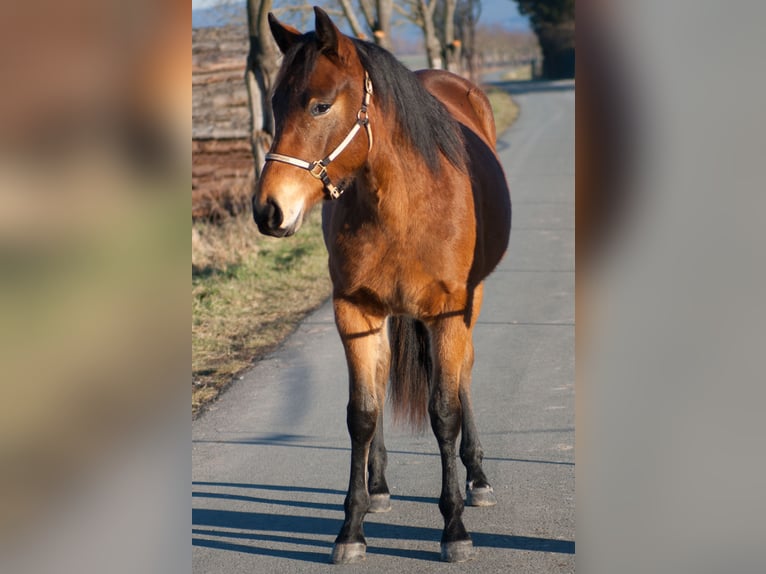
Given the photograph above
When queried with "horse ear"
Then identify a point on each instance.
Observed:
(327, 33)
(284, 35)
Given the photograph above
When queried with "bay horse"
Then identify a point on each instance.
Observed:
(416, 213)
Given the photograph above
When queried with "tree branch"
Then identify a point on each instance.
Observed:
(356, 26)
(368, 13)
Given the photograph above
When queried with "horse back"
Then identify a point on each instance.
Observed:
(466, 103)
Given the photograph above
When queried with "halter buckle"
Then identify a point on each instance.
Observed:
(319, 170)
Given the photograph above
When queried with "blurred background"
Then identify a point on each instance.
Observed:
(95, 167)
(670, 283)
(94, 180)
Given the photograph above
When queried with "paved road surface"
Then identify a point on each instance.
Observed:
(271, 457)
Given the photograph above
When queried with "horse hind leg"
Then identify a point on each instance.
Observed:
(478, 491)
(380, 497)
(444, 408)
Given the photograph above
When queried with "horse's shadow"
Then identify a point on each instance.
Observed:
(211, 529)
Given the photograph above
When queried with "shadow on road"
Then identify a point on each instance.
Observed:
(285, 488)
(268, 441)
(293, 529)
(321, 558)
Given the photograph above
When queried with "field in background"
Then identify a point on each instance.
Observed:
(517, 73)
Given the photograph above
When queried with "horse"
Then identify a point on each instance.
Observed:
(416, 213)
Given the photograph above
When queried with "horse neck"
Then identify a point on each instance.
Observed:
(397, 177)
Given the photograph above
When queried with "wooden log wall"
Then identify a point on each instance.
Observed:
(222, 163)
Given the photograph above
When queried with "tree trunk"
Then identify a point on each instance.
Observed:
(377, 16)
(433, 47)
(451, 49)
(468, 12)
(382, 31)
(353, 21)
(259, 77)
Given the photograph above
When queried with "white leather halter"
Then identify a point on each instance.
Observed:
(318, 168)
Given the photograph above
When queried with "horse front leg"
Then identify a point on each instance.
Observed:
(449, 338)
(360, 332)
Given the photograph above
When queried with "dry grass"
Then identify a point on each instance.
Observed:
(519, 73)
(248, 293)
(217, 247)
(504, 108)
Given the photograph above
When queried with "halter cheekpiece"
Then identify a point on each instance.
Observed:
(318, 168)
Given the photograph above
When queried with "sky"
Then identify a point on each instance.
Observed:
(504, 12)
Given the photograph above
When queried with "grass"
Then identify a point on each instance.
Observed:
(249, 292)
(519, 73)
(504, 108)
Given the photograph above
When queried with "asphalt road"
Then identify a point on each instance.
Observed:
(271, 457)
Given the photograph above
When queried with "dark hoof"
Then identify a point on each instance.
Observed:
(483, 496)
(458, 551)
(379, 503)
(348, 553)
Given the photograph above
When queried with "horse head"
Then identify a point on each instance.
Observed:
(320, 107)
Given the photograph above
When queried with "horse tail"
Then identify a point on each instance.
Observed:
(411, 371)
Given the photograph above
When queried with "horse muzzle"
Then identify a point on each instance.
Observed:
(270, 219)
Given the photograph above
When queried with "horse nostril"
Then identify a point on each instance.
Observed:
(268, 216)
(274, 214)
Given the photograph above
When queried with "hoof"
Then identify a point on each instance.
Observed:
(348, 553)
(458, 551)
(379, 503)
(483, 496)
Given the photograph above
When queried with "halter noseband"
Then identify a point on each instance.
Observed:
(318, 168)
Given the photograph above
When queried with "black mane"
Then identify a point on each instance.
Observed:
(424, 121)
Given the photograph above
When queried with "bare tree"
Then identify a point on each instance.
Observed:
(450, 46)
(424, 17)
(262, 65)
(436, 18)
(466, 16)
(377, 19)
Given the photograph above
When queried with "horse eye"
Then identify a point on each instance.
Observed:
(320, 109)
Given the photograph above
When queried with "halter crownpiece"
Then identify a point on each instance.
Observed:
(318, 168)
